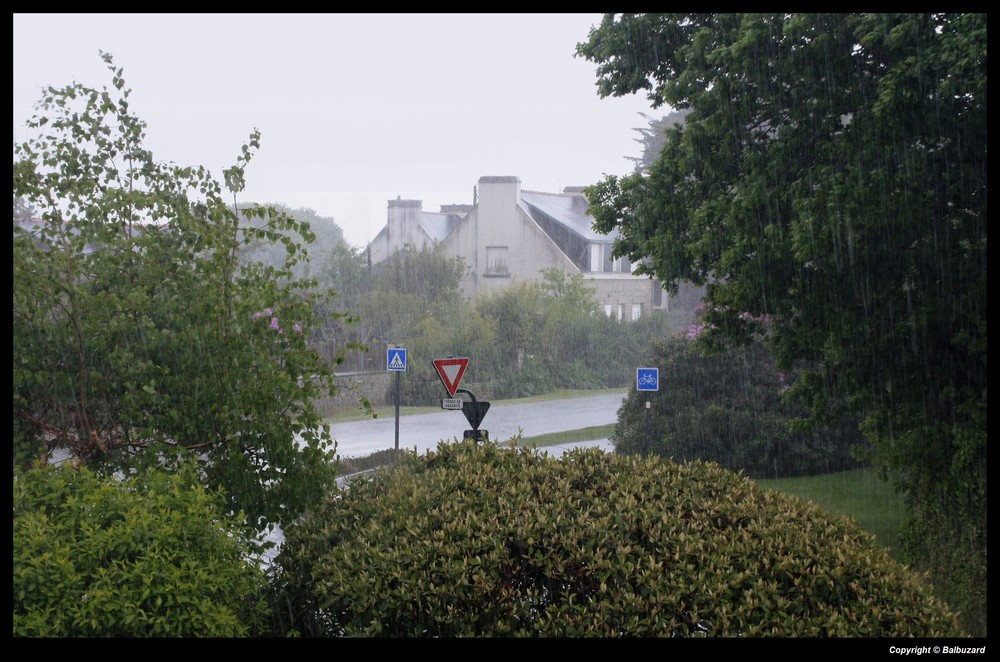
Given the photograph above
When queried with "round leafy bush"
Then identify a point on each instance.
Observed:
(730, 408)
(488, 541)
(142, 557)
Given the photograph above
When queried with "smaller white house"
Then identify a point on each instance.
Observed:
(509, 235)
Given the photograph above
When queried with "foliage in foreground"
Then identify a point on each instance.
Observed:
(149, 556)
(143, 330)
(831, 174)
(488, 541)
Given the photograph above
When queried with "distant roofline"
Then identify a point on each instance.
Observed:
(566, 192)
(499, 180)
(399, 202)
(456, 209)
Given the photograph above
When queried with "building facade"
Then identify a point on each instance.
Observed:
(510, 235)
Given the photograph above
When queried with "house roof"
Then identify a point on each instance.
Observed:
(566, 209)
(438, 225)
(562, 216)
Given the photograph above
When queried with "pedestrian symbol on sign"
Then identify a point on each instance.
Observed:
(396, 359)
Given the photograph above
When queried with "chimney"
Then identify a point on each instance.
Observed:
(504, 192)
(404, 219)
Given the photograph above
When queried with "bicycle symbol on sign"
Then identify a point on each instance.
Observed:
(647, 379)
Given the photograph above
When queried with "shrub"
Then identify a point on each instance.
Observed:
(488, 541)
(143, 557)
(729, 408)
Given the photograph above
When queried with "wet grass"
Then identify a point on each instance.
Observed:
(568, 437)
(859, 494)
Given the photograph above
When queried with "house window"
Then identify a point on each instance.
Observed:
(496, 261)
(636, 311)
(616, 265)
(596, 262)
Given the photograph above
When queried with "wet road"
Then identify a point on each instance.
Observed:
(502, 421)
(424, 431)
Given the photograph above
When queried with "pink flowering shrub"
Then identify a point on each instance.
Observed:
(273, 321)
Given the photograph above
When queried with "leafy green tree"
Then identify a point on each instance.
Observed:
(23, 213)
(140, 336)
(653, 137)
(153, 555)
(343, 339)
(519, 366)
(581, 347)
(410, 286)
(570, 291)
(524, 340)
(831, 174)
(423, 271)
(479, 540)
(551, 334)
(327, 237)
(344, 270)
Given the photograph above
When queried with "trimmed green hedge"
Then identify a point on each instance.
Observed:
(489, 541)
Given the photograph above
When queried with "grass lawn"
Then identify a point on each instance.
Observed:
(859, 494)
(569, 436)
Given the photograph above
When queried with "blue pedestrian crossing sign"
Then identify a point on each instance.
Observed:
(647, 379)
(395, 359)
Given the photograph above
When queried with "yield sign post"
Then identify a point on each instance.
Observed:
(451, 370)
(474, 410)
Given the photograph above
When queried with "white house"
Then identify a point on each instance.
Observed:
(509, 235)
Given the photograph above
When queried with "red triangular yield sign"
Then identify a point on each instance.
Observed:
(450, 371)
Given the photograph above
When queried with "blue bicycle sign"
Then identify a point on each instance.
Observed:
(647, 379)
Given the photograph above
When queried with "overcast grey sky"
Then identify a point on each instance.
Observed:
(353, 109)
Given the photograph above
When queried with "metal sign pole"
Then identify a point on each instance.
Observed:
(397, 411)
(395, 360)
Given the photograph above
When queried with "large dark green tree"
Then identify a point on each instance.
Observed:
(139, 333)
(831, 175)
(653, 136)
